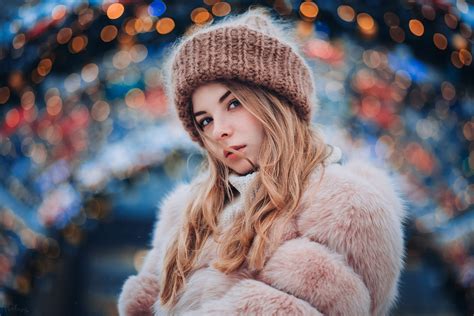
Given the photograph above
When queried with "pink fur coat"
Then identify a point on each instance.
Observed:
(342, 255)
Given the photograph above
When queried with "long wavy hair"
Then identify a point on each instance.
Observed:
(291, 149)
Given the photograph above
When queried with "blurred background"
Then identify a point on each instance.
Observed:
(89, 145)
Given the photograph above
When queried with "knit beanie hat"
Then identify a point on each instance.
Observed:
(249, 48)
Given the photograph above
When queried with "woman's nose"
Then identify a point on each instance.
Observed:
(222, 129)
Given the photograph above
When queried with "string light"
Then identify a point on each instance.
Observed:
(221, 9)
(108, 33)
(78, 44)
(451, 20)
(115, 10)
(465, 57)
(64, 35)
(309, 10)
(19, 41)
(165, 25)
(59, 12)
(428, 12)
(4, 95)
(100, 111)
(200, 16)
(440, 41)
(346, 13)
(416, 27)
(366, 24)
(44, 67)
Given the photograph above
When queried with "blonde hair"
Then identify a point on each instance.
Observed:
(291, 149)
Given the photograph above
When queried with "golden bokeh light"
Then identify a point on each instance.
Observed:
(468, 130)
(428, 12)
(100, 111)
(59, 12)
(64, 35)
(135, 98)
(44, 67)
(165, 25)
(121, 59)
(27, 100)
(54, 105)
(451, 20)
(448, 91)
(465, 30)
(465, 56)
(366, 24)
(115, 10)
(200, 16)
(86, 17)
(129, 27)
(108, 33)
(440, 41)
(90, 72)
(78, 44)
(221, 9)
(346, 13)
(309, 10)
(138, 53)
(19, 41)
(416, 27)
(459, 42)
(4, 95)
(455, 60)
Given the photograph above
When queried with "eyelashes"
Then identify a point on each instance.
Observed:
(202, 123)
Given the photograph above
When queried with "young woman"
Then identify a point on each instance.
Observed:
(275, 223)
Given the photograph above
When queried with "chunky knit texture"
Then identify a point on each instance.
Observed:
(250, 48)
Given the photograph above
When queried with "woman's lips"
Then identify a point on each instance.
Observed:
(230, 154)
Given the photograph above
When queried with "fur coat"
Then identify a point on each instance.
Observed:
(342, 254)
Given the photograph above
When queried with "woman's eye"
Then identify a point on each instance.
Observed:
(205, 122)
(234, 102)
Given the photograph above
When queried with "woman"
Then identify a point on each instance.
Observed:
(273, 225)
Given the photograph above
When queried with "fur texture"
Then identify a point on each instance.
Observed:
(342, 255)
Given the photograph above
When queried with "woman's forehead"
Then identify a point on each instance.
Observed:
(209, 94)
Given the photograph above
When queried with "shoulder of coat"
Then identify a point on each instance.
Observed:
(356, 186)
(172, 208)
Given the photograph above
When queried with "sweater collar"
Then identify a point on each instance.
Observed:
(242, 183)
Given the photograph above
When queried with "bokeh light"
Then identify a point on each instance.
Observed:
(309, 10)
(64, 35)
(200, 16)
(115, 10)
(221, 9)
(416, 27)
(346, 13)
(109, 33)
(165, 25)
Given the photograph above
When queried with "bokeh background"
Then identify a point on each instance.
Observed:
(89, 145)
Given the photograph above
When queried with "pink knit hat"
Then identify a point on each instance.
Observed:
(250, 48)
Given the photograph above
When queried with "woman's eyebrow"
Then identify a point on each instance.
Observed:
(221, 99)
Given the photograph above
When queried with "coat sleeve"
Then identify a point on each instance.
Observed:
(140, 292)
(349, 257)
(252, 297)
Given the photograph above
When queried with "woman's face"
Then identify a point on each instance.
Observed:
(223, 118)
